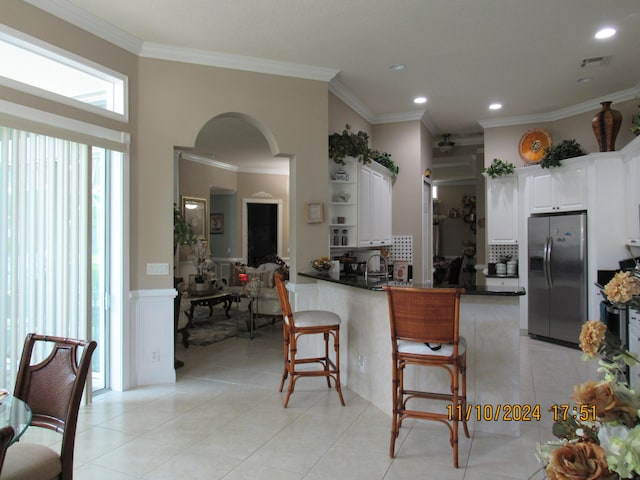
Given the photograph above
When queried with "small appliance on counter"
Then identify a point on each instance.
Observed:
(512, 268)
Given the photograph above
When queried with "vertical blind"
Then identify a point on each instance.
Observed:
(44, 241)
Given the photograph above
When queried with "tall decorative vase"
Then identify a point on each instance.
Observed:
(606, 125)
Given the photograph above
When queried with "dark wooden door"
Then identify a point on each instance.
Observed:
(262, 231)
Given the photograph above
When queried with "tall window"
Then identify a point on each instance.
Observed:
(45, 218)
(68, 79)
(100, 259)
(63, 237)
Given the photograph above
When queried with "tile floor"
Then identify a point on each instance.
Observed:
(223, 419)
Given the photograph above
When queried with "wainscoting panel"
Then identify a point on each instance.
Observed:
(152, 337)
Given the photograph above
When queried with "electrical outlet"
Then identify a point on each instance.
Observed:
(155, 355)
(361, 362)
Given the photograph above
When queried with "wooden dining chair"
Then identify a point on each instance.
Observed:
(307, 322)
(6, 435)
(53, 390)
(425, 332)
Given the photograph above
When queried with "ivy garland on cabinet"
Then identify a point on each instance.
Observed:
(356, 145)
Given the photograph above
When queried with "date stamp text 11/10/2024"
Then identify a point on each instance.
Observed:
(520, 412)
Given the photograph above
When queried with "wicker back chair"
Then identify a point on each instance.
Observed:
(307, 322)
(53, 390)
(425, 331)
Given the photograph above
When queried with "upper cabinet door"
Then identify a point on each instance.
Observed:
(381, 213)
(571, 189)
(374, 208)
(559, 189)
(364, 208)
(541, 193)
(502, 210)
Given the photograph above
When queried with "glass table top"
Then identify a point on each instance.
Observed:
(16, 413)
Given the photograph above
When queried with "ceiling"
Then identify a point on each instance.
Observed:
(460, 54)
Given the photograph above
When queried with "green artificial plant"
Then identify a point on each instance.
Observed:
(499, 168)
(356, 145)
(561, 151)
(182, 230)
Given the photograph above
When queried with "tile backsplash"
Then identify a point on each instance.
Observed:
(497, 251)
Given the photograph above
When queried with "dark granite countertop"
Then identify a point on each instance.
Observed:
(377, 284)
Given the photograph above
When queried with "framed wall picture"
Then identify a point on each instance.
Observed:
(196, 213)
(217, 223)
(315, 212)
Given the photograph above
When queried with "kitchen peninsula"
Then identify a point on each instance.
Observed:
(489, 321)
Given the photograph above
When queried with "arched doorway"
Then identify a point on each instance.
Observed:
(235, 161)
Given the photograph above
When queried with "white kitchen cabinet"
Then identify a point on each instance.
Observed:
(502, 281)
(558, 189)
(502, 210)
(374, 207)
(632, 197)
(343, 203)
(359, 205)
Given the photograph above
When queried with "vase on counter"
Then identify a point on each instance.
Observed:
(606, 125)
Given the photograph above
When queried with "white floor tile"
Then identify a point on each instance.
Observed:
(223, 419)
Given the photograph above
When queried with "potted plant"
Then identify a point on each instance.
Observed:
(356, 145)
(182, 230)
(384, 159)
(203, 263)
(561, 151)
(349, 144)
(499, 168)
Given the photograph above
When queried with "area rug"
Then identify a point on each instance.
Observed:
(207, 329)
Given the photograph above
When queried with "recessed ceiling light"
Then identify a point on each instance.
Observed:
(605, 33)
(397, 66)
(495, 106)
(420, 100)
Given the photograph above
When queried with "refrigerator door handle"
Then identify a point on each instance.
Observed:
(547, 263)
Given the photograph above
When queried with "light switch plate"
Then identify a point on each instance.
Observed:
(157, 269)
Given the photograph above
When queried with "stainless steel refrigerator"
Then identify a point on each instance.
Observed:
(557, 291)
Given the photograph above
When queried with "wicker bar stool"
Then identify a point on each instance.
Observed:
(308, 322)
(425, 333)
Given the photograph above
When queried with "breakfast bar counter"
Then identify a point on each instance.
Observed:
(489, 321)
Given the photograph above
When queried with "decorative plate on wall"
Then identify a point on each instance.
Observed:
(532, 145)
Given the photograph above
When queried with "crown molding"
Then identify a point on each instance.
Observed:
(236, 62)
(343, 93)
(455, 182)
(429, 124)
(74, 15)
(347, 96)
(210, 162)
(584, 107)
(263, 171)
(207, 160)
(398, 117)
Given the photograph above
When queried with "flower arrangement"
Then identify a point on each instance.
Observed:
(623, 288)
(600, 437)
(322, 264)
(202, 260)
